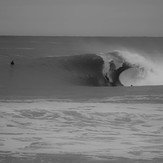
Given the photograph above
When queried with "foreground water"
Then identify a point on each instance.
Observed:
(125, 128)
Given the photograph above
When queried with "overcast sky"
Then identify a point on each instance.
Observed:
(82, 17)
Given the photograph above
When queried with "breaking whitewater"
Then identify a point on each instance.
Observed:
(81, 99)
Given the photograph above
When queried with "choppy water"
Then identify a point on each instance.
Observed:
(98, 128)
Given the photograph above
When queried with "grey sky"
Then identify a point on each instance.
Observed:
(82, 17)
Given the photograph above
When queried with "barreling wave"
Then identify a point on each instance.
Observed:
(117, 68)
(128, 68)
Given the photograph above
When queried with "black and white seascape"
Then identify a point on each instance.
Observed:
(79, 82)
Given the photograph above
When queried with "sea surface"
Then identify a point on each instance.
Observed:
(63, 102)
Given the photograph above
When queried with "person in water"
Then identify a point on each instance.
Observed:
(12, 63)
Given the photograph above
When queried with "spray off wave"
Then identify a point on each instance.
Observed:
(138, 70)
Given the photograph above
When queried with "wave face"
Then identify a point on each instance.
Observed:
(52, 72)
(115, 68)
(83, 69)
(118, 68)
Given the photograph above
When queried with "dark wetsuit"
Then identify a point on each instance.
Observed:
(12, 63)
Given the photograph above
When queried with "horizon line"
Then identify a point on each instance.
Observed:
(12, 35)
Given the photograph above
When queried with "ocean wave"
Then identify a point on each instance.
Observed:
(117, 68)
(131, 69)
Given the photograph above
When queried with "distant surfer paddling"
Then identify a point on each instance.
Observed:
(12, 63)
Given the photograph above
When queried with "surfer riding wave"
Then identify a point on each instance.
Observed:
(128, 69)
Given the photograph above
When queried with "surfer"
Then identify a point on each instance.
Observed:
(12, 63)
(106, 77)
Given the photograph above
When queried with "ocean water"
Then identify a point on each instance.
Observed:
(81, 99)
